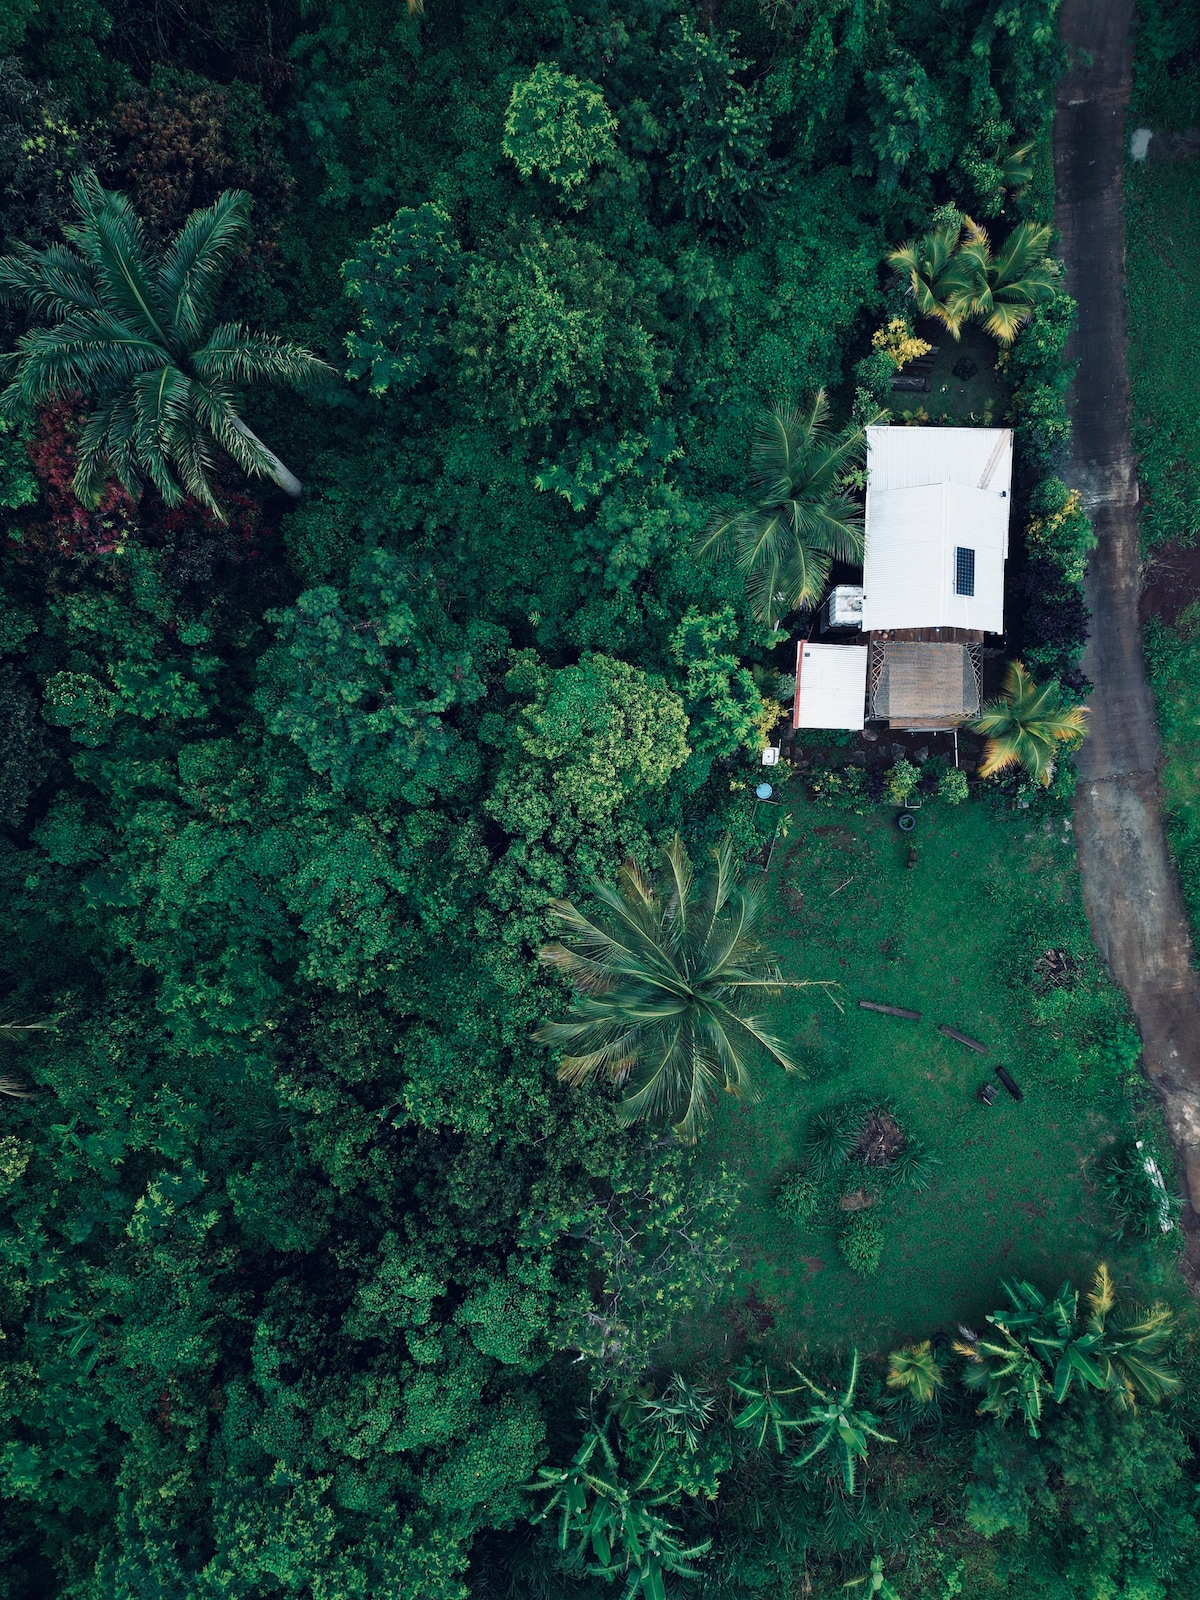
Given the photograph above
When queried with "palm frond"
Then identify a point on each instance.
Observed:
(234, 354)
(84, 352)
(50, 283)
(717, 532)
(113, 241)
(198, 260)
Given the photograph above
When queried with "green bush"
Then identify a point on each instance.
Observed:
(953, 787)
(840, 788)
(1136, 1190)
(861, 1242)
(558, 127)
(797, 1197)
(902, 780)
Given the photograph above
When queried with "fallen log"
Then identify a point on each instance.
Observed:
(1009, 1082)
(963, 1038)
(890, 1011)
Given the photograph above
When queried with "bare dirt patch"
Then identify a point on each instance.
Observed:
(1172, 582)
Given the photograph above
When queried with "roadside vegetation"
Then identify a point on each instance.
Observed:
(349, 1249)
(1164, 233)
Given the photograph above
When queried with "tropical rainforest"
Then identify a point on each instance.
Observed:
(382, 705)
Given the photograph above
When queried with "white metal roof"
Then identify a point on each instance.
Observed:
(831, 685)
(931, 491)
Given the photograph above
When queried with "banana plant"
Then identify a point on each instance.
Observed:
(765, 1410)
(1050, 1329)
(841, 1429)
(618, 1527)
(1116, 1354)
(1008, 1371)
(875, 1581)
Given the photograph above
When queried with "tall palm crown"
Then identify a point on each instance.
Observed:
(802, 517)
(661, 985)
(954, 276)
(134, 330)
(940, 282)
(1006, 287)
(915, 1372)
(1026, 725)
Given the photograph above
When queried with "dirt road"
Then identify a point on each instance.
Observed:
(1129, 883)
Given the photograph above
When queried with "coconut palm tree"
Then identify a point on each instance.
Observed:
(915, 1372)
(941, 283)
(1006, 288)
(802, 517)
(662, 984)
(841, 1429)
(1025, 726)
(135, 331)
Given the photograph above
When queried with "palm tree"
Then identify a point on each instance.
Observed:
(915, 1372)
(1024, 726)
(941, 283)
(1007, 287)
(842, 1430)
(661, 989)
(803, 516)
(1015, 162)
(134, 331)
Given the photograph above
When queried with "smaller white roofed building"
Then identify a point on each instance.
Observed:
(831, 685)
(936, 528)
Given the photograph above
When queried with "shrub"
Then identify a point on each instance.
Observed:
(902, 780)
(1136, 1191)
(841, 788)
(861, 1243)
(953, 787)
(831, 1137)
(797, 1197)
(914, 1166)
(899, 344)
(1060, 530)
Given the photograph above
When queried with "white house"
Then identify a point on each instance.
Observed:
(937, 511)
(936, 528)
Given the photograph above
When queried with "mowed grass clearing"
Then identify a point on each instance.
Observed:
(954, 937)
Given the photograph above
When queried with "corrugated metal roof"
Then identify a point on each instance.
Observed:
(831, 685)
(929, 492)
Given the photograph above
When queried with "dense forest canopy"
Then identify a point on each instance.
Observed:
(310, 1264)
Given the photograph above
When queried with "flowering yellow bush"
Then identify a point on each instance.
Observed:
(899, 343)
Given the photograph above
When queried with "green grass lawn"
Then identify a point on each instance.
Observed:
(1163, 277)
(955, 937)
